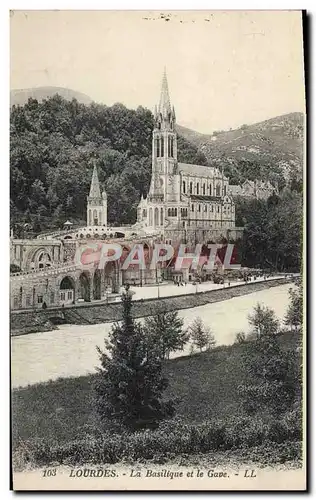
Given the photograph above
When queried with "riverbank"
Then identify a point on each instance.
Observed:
(30, 321)
(205, 389)
(71, 350)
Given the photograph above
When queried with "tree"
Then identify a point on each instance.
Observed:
(272, 380)
(165, 330)
(294, 314)
(14, 268)
(240, 338)
(51, 146)
(201, 335)
(263, 321)
(130, 383)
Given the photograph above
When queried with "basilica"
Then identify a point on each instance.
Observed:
(185, 202)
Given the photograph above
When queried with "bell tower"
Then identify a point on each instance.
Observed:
(96, 203)
(164, 148)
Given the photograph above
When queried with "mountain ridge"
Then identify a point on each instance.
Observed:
(19, 97)
(274, 143)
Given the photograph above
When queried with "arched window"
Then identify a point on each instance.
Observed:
(95, 218)
(204, 189)
(150, 216)
(169, 212)
(161, 216)
(210, 189)
(162, 147)
(224, 190)
(218, 190)
(197, 188)
(156, 217)
(175, 212)
(183, 187)
(171, 153)
(191, 187)
(157, 147)
(192, 208)
(199, 208)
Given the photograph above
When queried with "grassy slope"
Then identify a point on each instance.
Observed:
(205, 384)
(277, 139)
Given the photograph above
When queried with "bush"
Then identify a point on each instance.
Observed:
(170, 439)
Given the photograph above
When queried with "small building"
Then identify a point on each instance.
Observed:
(261, 190)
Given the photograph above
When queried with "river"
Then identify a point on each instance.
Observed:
(71, 350)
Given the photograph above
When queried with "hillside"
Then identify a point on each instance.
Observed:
(21, 96)
(275, 143)
(54, 144)
(204, 387)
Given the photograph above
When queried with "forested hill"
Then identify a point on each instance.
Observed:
(53, 146)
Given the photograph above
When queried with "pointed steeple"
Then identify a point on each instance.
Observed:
(95, 187)
(164, 103)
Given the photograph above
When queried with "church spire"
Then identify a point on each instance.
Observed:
(95, 187)
(164, 103)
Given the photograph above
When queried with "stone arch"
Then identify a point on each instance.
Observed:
(156, 216)
(20, 297)
(97, 285)
(31, 259)
(111, 276)
(44, 260)
(84, 286)
(147, 252)
(67, 290)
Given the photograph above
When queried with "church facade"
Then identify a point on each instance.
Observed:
(191, 203)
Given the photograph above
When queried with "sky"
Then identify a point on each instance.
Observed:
(224, 68)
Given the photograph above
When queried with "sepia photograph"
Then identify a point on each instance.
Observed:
(158, 250)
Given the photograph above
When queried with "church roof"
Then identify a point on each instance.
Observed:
(196, 197)
(199, 170)
(95, 187)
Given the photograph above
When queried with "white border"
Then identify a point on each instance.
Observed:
(4, 184)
